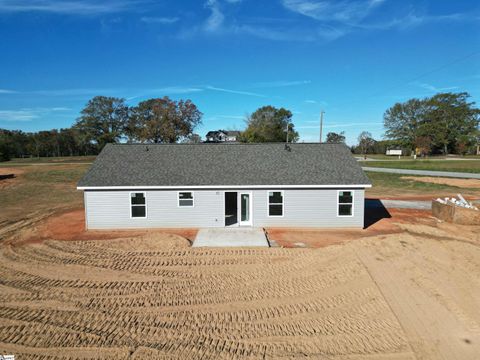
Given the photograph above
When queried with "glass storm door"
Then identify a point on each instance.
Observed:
(245, 209)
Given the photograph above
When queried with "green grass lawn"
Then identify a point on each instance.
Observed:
(470, 166)
(385, 184)
(41, 189)
(49, 160)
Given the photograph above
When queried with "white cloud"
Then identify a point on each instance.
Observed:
(7, 91)
(434, 89)
(159, 20)
(216, 18)
(310, 101)
(234, 91)
(18, 115)
(176, 90)
(413, 20)
(74, 7)
(282, 83)
(73, 92)
(29, 114)
(328, 11)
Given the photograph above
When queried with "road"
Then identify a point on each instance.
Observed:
(451, 174)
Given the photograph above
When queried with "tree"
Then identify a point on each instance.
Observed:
(193, 139)
(365, 142)
(103, 120)
(269, 124)
(452, 119)
(404, 121)
(423, 145)
(448, 120)
(333, 137)
(163, 120)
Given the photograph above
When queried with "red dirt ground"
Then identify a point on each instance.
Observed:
(71, 226)
(317, 238)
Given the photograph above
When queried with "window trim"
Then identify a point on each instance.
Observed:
(131, 205)
(339, 203)
(193, 199)
(268, 204)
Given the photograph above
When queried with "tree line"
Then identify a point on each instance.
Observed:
(161, 120)
(108, 120)
(444, 123)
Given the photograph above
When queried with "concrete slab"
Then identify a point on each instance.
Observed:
(230, 237)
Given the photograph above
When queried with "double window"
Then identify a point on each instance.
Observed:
(275, 203)
(138, 205)
(345, 203)
(185, 199)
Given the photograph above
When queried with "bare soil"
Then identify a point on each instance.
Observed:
(405, 288)
(386, 224)
(5, 183)
(465, 183)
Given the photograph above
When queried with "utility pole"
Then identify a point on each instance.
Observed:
(321, 124)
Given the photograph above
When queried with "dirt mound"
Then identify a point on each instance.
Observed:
(5, 183)
(153, 241)
(462, 183)
(70, 226)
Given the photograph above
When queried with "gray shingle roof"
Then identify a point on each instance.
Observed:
(224, 165)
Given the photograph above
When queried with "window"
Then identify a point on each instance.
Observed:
(275, 203)
(138, 205)
(185, 199)
(345, 203)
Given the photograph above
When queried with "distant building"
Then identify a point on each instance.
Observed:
(222, 136)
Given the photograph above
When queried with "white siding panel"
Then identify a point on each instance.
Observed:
(308, 208)
(302, 208)
(111, 209)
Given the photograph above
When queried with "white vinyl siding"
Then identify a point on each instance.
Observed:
(111, 210)
(315, 208)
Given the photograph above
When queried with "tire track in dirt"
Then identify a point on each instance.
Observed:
(191, 303)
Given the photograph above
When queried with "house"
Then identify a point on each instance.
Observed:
(222, 136)
(216, 185)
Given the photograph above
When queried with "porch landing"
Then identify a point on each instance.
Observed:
(230, 237)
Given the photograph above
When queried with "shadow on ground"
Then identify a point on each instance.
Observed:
(374, 212)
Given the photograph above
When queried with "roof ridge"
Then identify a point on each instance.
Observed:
(222, 143)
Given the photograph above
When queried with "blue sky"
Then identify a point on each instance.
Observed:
(353, 59)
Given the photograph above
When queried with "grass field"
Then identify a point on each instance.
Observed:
(49, 160)
(395, 185)
(470, 166)
(38, 191)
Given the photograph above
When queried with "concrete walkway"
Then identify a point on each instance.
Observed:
(399, 204)
(452, 174)
(230, 237)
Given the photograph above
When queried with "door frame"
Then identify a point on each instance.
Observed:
(250, 208)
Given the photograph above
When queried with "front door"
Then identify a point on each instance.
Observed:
(245, 209)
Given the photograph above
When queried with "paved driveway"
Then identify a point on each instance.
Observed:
(231, 237)
(423, 172)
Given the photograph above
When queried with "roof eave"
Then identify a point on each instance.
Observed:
(206, 187)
